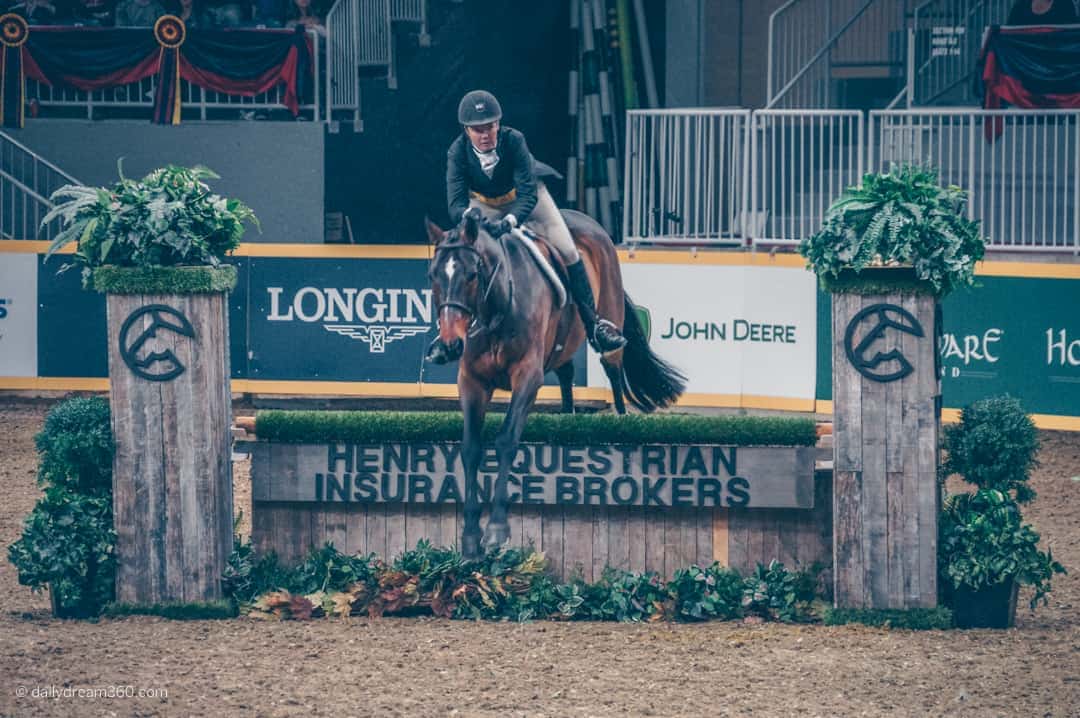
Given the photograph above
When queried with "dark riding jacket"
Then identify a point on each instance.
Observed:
(516, 171)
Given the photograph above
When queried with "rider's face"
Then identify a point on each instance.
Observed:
(484, 137)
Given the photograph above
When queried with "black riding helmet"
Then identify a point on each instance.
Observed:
(478, 107)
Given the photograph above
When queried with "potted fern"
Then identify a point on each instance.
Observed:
(986, 551)
(157, 248)
(898, 220)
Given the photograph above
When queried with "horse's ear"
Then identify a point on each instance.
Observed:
(434, 231)
(471, 226)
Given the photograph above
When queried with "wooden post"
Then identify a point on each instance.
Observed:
(171, 415)
(885, 495)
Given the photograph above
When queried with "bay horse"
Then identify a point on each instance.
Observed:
(491, 295)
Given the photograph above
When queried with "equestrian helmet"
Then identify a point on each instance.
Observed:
(478, 107)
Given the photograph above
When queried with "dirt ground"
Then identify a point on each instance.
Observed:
(422, 667)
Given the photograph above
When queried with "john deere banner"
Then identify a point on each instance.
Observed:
(734, 330)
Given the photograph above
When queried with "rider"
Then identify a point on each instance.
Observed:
(489, 167)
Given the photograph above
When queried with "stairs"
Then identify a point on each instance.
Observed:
(363, 37)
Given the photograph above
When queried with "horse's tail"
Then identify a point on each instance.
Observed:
(651, 383)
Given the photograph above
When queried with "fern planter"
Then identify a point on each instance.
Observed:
(171, 412)
(888, 250)
(156, 247)
(987, 607)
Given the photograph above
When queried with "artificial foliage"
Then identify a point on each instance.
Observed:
(505, 584)
(983, 541)
(915, 619)
(994, 447)
(899, 218)
(164, 280)
(174, 610)
(67, 544)
(168, 218)
(75, 446)
(359, 427)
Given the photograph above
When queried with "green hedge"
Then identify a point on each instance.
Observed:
(876, 281)
(367, 427)
(917, 619)
(178, 611)
(164, 280)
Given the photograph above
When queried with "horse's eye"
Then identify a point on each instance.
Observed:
(471, 276)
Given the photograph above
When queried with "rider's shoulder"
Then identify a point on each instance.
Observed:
(457, 146)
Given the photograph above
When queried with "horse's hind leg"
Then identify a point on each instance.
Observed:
(566, 386)
(614, 372)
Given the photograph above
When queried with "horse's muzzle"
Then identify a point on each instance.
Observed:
(453, 323)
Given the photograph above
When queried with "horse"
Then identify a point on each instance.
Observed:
(492, 296)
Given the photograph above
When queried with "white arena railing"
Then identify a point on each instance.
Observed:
(685, 176)
(715, 177)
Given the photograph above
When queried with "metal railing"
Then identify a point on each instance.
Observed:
(26, 182)
(685, 176)
(810, 39)
(374, 33)
(343, 62)
(945, 39)
(697, 176)
(1021, 167)
(139, 96)
(801, 160)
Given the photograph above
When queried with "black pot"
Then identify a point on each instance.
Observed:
(989, 607)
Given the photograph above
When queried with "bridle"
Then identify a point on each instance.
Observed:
(485, 277)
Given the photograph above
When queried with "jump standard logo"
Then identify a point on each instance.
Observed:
(376, 317)
(602, 475)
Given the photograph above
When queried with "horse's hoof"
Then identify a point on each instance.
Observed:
(470, 547)
(496, 535)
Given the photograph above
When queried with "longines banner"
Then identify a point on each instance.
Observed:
(732, 330)
(344, 320)
(18, 315)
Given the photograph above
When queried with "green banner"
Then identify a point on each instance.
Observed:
(1012, 335)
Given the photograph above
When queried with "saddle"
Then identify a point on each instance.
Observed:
(546, 259)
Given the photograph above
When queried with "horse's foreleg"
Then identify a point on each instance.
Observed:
(524, 386)
(474, 402)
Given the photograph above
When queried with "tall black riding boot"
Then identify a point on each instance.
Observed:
(603, 336)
